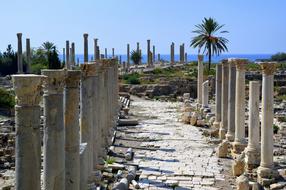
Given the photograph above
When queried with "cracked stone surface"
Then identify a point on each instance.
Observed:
(176, 156)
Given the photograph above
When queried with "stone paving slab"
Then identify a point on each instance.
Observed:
(180, 158)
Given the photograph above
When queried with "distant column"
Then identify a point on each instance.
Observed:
(67, 66)
(138, 47)
(98, 53)
(159, 57)
(128, 56)
(54, 132)
(28, 139)
(95, 49)
(224, 101)
(266, 170)
(105, 53)
(73, 54)
(64, 55)
(186, 58)
(154, 55)
(71, 104)
(200, 78)
(183, 53)
(19, 54)
(148, 54)
(218, 91)
(172, 53)
(205, 92)
(140, 62)
(231, 101)
(120, 60)
(85, 57)
(28, 55)
(113, 53)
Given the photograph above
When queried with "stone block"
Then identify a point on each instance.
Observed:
(222, 149)
(242, 183)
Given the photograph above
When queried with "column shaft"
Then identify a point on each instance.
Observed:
(67, 66)
(19, 54)
(85, 56)
(218, 91)
(200, 78)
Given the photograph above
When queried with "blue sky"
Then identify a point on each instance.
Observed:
(255, 26)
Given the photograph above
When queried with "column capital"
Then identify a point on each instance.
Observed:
(224, 62)
(27, 89)
(268, 68)
(200, 58)
(19, 35)
(95, 39)
(240, 63)
(72, 78)
(89, 70)
(55, 81)
(85, 35)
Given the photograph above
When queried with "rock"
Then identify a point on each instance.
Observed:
(186, 117)
(278, 185)
(201, 123)
(242, 183)
(193, 120)
(222, 149)
(238, 165)
(127, 122)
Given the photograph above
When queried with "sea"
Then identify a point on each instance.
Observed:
(215, 59)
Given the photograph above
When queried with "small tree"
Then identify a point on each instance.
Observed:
(136, 57)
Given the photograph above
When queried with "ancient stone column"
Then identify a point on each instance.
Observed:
(85, 54)
(105, 54)
(183, 53)
(19, 54)
(172, 53)
(239, 140)
(148, 54)
(224, 99)
(128, 56)
(28, 56)
(231, 101)
(64, 55)
(186, 58)
(266, 172)
(138, 47)
(71, 116)
(159, 57)
(113, 56)
(95, 49)
(140, 62)
(205, 92)
(86, 110)
(252, 153)
(67, 55)
(28, 139)
(218, 91)
(200, 78)
(72, 54)
(54, 132)
(154, 55)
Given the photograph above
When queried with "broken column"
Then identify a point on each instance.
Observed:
(28, 56)
(72, 55)
(54, 132)
(72, 154)
(95, 49)
(67, 66)
(172, 57)
(218, 96)
(28, 139)
(224, 99)
(128, 57)
(200, 78)
(231, 101)
(85, 41)
(19, 54)
(266, 172)
(252, 153)
(148, 54)
(205, 93)
(239, 140)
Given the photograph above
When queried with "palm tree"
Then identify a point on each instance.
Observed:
(48, 47)
(136, 57)
(206, 38)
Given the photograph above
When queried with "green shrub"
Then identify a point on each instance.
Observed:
(36, 68)
(253, 67)
(133, 80)
(7, 99)
(157, 71)
(275, 129)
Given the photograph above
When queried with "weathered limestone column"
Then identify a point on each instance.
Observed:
(148, 54)
(105, 53)
(239, 140)
(231, 101)
(205, 92)
(266, 172)
(64, 55)
(72, 154)
(85, 41)
(183, 53)
(128, 56)
(224, 99)
(159, 57)
(19, 54)
(138, 47)
(86, 111)
(95, 49)
(28, 139)
(67, 66)
(28, 55)
(172, 53)
(218, 91)
(252, 153)
(54, 132)
(72, 54)
(200, 78)
(113, 53)
(140, 63)
(186, 58)
(154, 55)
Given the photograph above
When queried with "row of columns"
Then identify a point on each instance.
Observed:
(20, 67)
(80, 106)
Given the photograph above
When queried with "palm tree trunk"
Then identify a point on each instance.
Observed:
(210, 57)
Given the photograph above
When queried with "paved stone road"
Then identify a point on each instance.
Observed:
(179, 157)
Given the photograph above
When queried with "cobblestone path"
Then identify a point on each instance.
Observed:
(176, 156)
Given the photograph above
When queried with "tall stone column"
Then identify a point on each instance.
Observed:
(224, 99)
(140, 62)
(252, 153)
(72, 54)
(72, 154)
(28, 139)
(138, 47)
(54, 132)
(231, 101)
(200, 78)
(172, 53)
(85, 54)
(266, 172)
(148, 54)
(186, 58)
(183, 53)
(86, 110)
(95, 49)
(239, 140)
(105, 53)
(205, 92)
(218, 91)
(128, 57)
(98, 53)
(154, 55)
(19, 54)
(159, 57)
(64, 55)
(67, 55)
(28, 55)
(113, 56)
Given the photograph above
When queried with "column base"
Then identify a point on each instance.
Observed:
(222, 133)
(229, 137)
(266, 176)
(216, 124)
(238, 147)
(252, 158)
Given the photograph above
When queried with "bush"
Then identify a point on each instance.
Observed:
(275, 129)
(133, 80)
(36, 68)
(7, 99)
(279, 57)
(157, 71)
